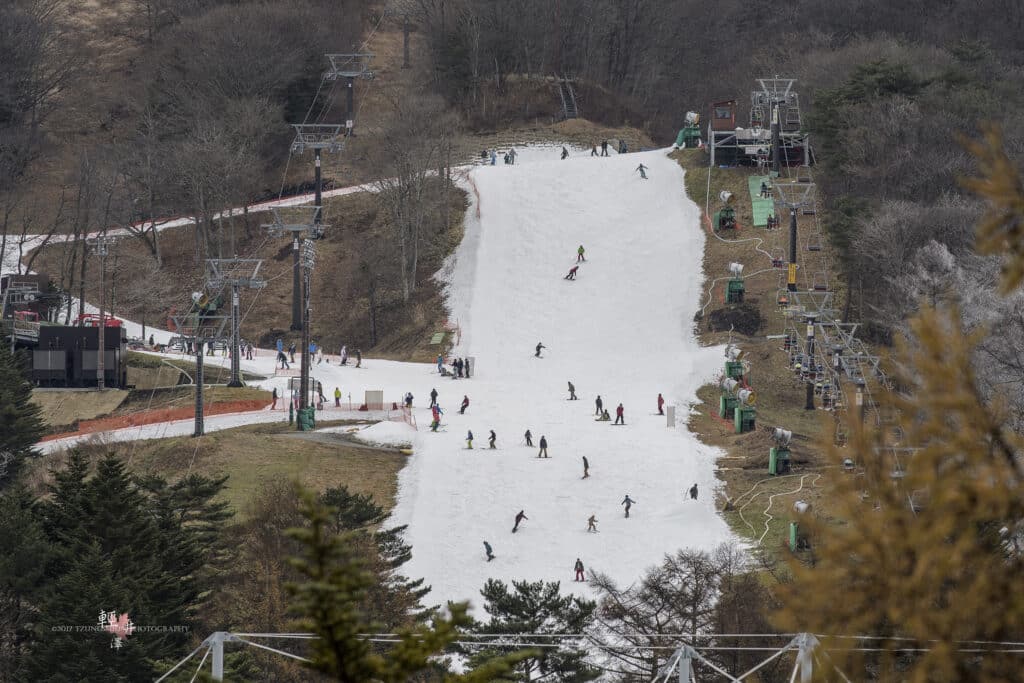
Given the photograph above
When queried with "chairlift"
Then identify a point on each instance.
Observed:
(819, 282)
(814, 242)
(778, 259)
(783, 298)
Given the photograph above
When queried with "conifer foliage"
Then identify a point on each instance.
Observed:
(20, 424)
(932, 550)
(527, 611)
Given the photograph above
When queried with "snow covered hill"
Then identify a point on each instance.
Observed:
(622, 329)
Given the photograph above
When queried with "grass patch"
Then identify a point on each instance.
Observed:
(251, 456)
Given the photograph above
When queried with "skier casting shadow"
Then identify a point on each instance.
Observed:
(519, 518)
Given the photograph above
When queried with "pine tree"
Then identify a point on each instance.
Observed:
(21, 426)
(935, 555)
(537, 608)
(329, 598)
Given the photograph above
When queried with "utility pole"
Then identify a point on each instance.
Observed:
(234, 273)
(350, 67)
(792, 196)
(809, 366)
(101, 247)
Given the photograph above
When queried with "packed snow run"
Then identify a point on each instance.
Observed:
(622, 329)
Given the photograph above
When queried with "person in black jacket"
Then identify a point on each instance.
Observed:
(494, 437)
(599, 404)
(543, 447)
(433, 397)
(579, 570)
(529, 438)
(572, 392)
(539, 347)
(519, 518)
(586, 468)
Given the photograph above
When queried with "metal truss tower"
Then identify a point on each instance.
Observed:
(234, 273)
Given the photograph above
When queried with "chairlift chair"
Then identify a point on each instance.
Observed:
(819, 282)
(814, 242)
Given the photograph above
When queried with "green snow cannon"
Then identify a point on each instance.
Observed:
(307, 419)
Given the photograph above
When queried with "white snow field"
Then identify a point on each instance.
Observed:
(622, 329)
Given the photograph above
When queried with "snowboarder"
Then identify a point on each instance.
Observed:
(494, 157)
(628, 502)
(586, 468)
(512, 157)
(466, 363)
(579, 570)
(487, 549)
(605, 417)
(572, 273)
(469, 439)
(661, 404)
(519, 518)
(572, 392)
(592, 524)
(565, 153)
(693, 492)
(543, 452)
(593, 150)
(491, 441)
(248, 351)
(465, 404)
(320, 391)
(579, 254)
(529, 438)
(291, 351)
(274, 396)
(359, 358)
(643, 171)
(539, 347)
(604, 148)
(337, 397)
(622, 147)
(408, 399)
(344, 355)
(598, 404)
(619, 417)
(440, 363)
(433, 397)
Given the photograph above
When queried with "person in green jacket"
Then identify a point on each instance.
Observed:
(579, 254)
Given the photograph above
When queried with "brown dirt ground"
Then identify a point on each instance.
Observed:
(62, 408)
(779, 396)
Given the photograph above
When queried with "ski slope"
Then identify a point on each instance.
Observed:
(622, 329)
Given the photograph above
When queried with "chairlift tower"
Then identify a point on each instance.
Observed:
(298, 221)
(793, 196)
(308, 261)
(234, 273)
(350, 67)
(101, 247)
(204, 329)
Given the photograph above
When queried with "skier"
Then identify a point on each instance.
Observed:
(572, 273)
(643, 171)
(491, 441)
(599, 404)
(459, 366)
(274, 396)
(565, 153)
(320, 391)
(152, 342)
(543, 447)
(512, 157)
(291, 351)
(465, 404)
(487, 549)
(604, 148)
(359, 358)
(408, 399)
(579, 570)
(529, 438)
(622, 147)
(466, 363)
(693, 492)
(592, 523)
(344, 355)
(579, 254)
(661, 404)
(248, 351)
(539, 347)
(337, 397)
(586, 468)
(572, 392)
(437, 412)
(619, 417)
(593, 150)
(440, 363)
(433, 397)
(283, 360)
(764, 189)
(519, 518)
(469, 439)
(494, 157)
(628, 502)
(312, 350)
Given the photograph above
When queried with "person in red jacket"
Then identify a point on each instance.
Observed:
(661, 404)
(619, 417)
(572, 273)
(465, 404)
